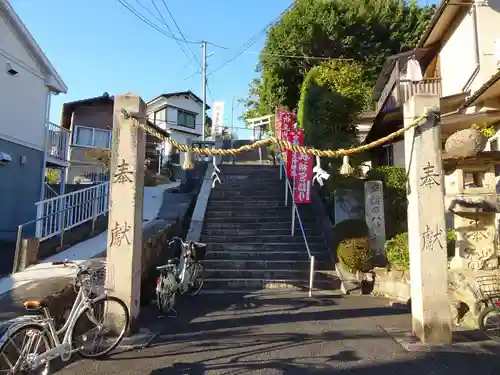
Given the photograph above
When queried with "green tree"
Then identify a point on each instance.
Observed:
(367, 31)
(208, 126)
(332, 95)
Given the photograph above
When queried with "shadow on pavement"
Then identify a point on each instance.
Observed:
(432, 363)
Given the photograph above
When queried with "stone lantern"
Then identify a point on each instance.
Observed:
(472, 207)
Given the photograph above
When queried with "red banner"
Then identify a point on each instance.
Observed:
(303, 178)
(287, 119)
(295, 137)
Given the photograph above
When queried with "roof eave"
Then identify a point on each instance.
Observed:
(54, 82)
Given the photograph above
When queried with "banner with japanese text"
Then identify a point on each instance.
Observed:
(303, 178)
(295, 137)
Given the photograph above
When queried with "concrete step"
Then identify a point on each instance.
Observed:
(264, 264)
(252, 219)
(209, 225)
(260, 213)
(262, 231)
(218, 194)
(296, 274)
(286, 255)
(214, 285)
(221, 205)
(256, 246)
(263, 239)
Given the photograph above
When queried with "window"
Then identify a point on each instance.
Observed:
(494, 144)
(186, 119)
(90, 137)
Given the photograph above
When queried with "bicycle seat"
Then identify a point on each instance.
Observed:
(35, 304)
(175, 261)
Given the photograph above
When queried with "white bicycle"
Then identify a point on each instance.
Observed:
(28, 343)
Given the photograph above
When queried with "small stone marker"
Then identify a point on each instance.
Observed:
(374, 214)
(426, 223)
(126, 203)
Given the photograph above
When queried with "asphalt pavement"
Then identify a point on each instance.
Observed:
(281, 332)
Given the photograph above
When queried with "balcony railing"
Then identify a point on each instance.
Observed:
(57, 141)
(396, 93)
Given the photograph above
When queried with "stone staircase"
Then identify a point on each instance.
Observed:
(248, 232)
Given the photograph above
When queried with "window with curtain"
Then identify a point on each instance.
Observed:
(186, 119)
(83, 136)
(102, 138)
(90, 137)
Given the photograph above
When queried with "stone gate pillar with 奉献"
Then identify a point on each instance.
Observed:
(126, 203)
(431, 316)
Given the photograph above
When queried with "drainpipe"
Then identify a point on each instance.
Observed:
(476, 49)
(44, 166)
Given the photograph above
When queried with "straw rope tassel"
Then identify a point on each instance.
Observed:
(188, 163)
(346, 169)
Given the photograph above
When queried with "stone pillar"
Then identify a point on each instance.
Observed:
(426, 223)
(374, 215)
(126, 205)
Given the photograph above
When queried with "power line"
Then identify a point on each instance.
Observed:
(252, 40)
(148, 22)
(168, 27)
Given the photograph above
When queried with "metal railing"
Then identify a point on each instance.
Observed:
(87, 174)
(56, 141)
(49, 192)
(295, 212)
(94, 202)
(70, 210)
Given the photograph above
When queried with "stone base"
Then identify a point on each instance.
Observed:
(464, 308)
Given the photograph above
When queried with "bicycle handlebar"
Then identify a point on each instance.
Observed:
(80, 267)
(184, 244)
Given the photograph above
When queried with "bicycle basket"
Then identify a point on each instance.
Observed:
(199, 251)
(489, 286)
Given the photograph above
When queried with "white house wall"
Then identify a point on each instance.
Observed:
(457, 57)
(23, 97)
(487, 16)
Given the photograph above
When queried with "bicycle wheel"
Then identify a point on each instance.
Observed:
(198, 278)
(165, 295)
(490, 328)
(20, 349)
(107, 316)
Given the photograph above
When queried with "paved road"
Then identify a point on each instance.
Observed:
(282, 333)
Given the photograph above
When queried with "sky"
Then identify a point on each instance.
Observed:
(99, 46)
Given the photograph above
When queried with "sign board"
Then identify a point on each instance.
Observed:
(295, 137)
(217, 117)
(303, 178)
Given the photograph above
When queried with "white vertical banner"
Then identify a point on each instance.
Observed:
(217, 117)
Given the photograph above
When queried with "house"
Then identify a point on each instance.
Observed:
(458, 54)
(181, 114)
(90, 122)
(29, 143)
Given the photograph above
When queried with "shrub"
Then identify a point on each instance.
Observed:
(356, 254)
(398, 251)
(352, 244)
(395, 201)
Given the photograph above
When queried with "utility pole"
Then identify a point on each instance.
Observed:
(232, 125)
(204, 86)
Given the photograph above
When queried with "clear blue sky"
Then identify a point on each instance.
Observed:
(99, 46)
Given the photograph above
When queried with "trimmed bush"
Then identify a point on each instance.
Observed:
(398, 251)
(352, 244)
(356, 254)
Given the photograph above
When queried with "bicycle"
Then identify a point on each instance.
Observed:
(88, 309)
(487, 294)
(181, 275)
